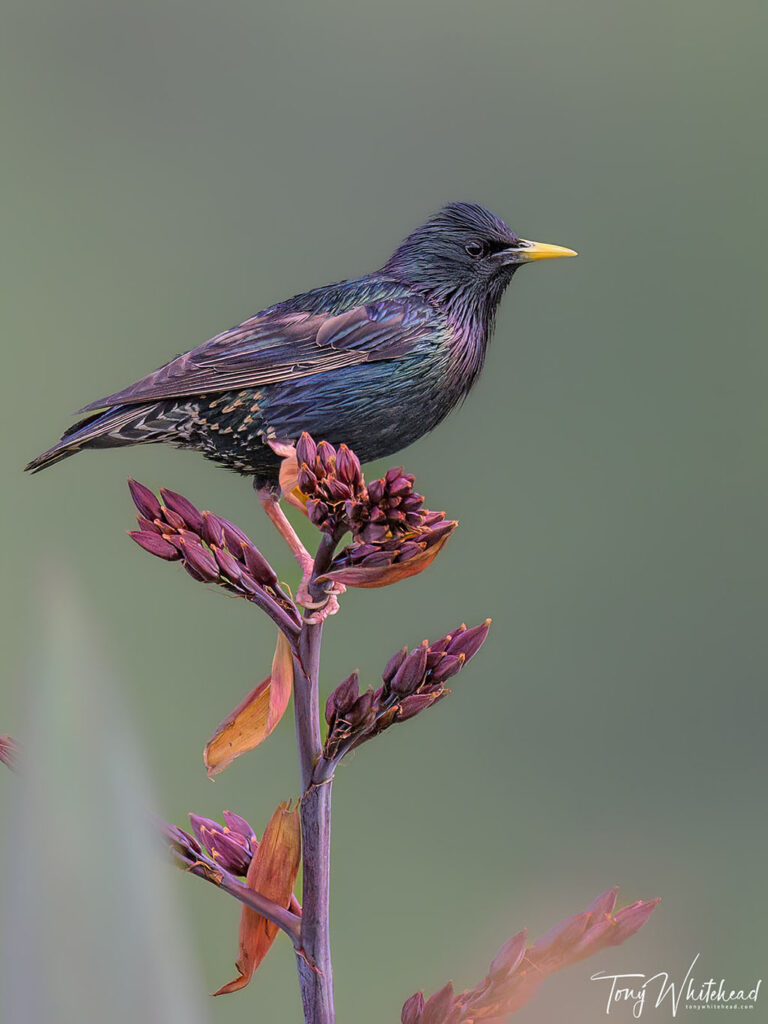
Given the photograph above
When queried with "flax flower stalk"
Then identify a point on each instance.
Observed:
(393, 536)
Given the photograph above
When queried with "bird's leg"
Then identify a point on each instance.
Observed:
(270, 502)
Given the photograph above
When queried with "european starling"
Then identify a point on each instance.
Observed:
(374, 362)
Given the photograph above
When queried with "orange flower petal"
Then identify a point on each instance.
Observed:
(272, 872)
(255, 716)
(384, 575)
(289, 475)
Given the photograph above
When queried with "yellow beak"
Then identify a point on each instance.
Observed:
(542, 251)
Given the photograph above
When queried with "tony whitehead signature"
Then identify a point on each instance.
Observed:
(637, 990)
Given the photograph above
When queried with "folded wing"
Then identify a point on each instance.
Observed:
(276, 346)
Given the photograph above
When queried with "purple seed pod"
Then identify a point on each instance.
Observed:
(183, 507)
(338, 491)
(411, 673)
(230, 854)
(437, 1009)
(361, 708)
(413, 704)
(258, 566)
(234, 538)
(348, 466)
(172, 518)
(342, 698)
(509, 956)
(378, 558)
(326, 455)
(201, 561)
(144, 500)
(449, 665)
(413, 1009)
(228, 564)
(306, 450)
(409, 550)
(248, 585)
(376, 491)
(147, 526)
(374, 533)
(469, 641)
(237, 824)
(155, 544)
(430, 518)
(306, 480)
(199, 823)
(436, 532)
(183, 841)
(212, 531)
(394, 664)
(232, 848)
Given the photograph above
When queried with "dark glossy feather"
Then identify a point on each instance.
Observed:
(284, 344)
(375, 362)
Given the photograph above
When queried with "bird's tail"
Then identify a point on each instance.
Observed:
(122, 425)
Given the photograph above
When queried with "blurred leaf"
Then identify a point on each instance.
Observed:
(255, 716)
(87, 929)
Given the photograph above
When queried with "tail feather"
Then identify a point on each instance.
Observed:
(110, 429)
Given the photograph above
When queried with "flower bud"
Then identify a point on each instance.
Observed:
(212, 531)
(413, 704)
(201, 561)
(183, 507)
(413, 1009)
(342, 698)
(469, 641)
(229, 565)
(411, 672)
(155, 545)
(394, 664)
(348, 466)
(258, 566)
(144, 500)
(448, 666)
(306, 450)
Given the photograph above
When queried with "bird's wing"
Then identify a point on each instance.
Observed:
(276, 346)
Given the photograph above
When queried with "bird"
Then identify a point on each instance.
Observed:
(374, 362)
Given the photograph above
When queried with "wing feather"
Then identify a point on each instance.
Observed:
(277, 346)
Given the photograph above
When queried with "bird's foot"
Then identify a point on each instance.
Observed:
(319, 610)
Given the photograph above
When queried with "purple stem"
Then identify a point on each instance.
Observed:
(314, 959)
(285, 919)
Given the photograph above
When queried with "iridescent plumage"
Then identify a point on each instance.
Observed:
(374, 362)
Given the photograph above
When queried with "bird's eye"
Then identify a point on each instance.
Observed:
(475, 249)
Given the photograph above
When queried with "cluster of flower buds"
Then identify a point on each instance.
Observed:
(231, 845)
(412, 681)
(397, 556)
(212, 550)
(189, 853)
(215, 850)
(331, 481)
(392, 507)
(394, 536)
(518, 970)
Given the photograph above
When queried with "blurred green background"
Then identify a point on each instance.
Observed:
(170, 168)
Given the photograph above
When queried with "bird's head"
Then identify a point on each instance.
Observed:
(466, 254)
